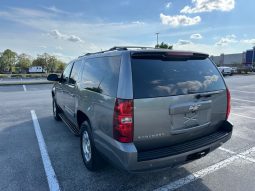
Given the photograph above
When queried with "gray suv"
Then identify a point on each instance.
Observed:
(143, 108)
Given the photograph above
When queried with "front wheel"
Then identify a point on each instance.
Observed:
(90, 155)
(55, 110)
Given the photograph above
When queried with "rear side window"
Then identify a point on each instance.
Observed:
(101, 75)
(160, 78)
(66, 73)
(75, 72)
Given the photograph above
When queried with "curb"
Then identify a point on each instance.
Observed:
(24, 83)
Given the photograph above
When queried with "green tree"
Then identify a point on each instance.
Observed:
(52, 64)
(49, 63)
(60, 66)
(42, 60)
(24, 62)
(164, 45)
(7, 60)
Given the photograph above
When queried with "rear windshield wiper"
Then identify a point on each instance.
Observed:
(207, 94)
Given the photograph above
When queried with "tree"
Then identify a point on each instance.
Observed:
(164, 45)
(10, 61)
(41, 60)
(49, 63)
(24, 62)
(7, 60)
(52, 64)
(60, 66)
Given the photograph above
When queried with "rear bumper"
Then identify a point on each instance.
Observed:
(126, 156)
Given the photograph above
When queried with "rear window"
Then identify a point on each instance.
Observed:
(160, 78)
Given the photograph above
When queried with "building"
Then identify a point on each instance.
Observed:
(229, 59)
(246, 58)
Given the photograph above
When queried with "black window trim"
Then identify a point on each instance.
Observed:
(79, 75)
(67, 82)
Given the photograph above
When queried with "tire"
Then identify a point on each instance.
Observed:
(90, 155)
(55, 110)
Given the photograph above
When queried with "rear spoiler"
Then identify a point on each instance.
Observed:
(170, 55)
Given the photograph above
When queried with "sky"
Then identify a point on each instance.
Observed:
(68, 29)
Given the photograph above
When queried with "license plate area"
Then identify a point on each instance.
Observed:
(189, 116)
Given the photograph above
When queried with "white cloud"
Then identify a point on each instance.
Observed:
(224, 41)
(196, 36)
(200, 6)
(168, 5)
(249, 41)
(24, 13)
(183, 42)
(55, 10)
(179, 20)
(74, 38)
(138, 22)
(56, 34)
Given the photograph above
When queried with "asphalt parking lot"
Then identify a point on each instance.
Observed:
(231, 167)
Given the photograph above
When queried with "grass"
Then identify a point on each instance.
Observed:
(24, 83)
(43, 75)
(23, 76)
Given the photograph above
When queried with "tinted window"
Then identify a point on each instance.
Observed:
(75, 72)
(101, 75)
(66, 72)
(156, 78)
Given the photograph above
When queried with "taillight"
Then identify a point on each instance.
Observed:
(123, 127)
(228, 103)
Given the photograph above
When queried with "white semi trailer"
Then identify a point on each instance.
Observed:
(36, 69)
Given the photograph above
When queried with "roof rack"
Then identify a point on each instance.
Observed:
(119, 48)
(128, 47)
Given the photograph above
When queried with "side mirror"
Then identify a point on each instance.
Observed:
(53, 77)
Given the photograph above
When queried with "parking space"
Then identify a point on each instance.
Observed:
(228, 168)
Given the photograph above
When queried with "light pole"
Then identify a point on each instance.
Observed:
(253, 55)
(157, 38)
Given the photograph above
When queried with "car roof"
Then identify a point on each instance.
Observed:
(121, 49)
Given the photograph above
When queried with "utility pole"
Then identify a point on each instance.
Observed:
(157, 38)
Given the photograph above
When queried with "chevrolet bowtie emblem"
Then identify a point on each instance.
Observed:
(193, 108)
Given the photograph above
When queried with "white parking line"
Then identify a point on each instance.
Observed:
(244, 107)
(247, 86)
(50, 173)
(241, 156)
(242, 91)
(24, 87)
(201, 173)
(245, 100)
(242, 116)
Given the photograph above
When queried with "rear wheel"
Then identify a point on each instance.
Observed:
(55, 110)
(90, 155)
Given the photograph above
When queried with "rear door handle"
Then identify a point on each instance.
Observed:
(180, 131)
